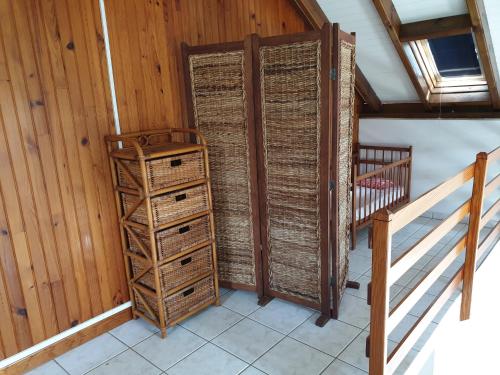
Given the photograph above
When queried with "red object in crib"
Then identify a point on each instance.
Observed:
(376, 183)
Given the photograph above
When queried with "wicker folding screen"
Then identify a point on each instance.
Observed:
(297, 195)
(219, 82)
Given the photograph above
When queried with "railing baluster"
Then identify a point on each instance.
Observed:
(473, 236)
(382, 236)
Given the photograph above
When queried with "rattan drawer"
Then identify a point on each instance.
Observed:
(179, 271)
(170, 206)
(175, 240)
(164, 172)
(181, 303)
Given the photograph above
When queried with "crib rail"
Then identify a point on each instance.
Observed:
(384, 274)
(389, 167)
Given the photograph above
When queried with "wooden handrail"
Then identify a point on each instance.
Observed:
(492, 185)
(410, 339)
(384, 275)
(490, 214)
(413, 210)
(408, 259)
(383, 169)
(406, 304)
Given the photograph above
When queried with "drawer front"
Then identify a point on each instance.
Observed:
(179, 204)
(165, 172)
(186, 268)
(169, 207)
(190, 298)
(172, 241)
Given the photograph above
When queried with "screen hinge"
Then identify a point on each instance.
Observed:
(331, 185)
(333, 74)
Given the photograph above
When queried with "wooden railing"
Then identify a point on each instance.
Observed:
(385, 273)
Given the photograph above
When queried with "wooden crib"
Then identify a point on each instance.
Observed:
(381, 178)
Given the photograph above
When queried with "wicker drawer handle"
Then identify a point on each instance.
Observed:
(180, 197)
(188, 292)
(184, 229)
(186, 261)
(176, 162)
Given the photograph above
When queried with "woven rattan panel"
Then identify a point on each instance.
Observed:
(344, 156)
(219, 105)
(290, 95)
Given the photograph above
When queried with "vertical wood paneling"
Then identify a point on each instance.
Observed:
(145, 48)
(60, 256)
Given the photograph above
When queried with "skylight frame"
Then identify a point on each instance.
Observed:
(438, 84)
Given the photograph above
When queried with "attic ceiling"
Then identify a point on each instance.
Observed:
(376, 54)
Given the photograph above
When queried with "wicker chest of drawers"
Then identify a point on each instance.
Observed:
(164, 205)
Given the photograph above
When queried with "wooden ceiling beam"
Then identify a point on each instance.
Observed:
(484, 54)
(392, 23)
(418, 111)
(435, 28)
(366, 91)
(315, 16)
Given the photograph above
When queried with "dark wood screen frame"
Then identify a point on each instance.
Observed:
(336, 283)
(325, 119)
(245, 46)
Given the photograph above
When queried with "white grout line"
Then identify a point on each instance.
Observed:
(54, 339)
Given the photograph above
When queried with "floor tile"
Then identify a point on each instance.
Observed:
(248, 340)
(359, 264)
(164, 353)
(208, 360)
(291, 357)
(252, 371)
(129, 362)
(422, 304)
(223, 291)
(341, 368)
(354, 354)
(354, 311)
(212, 322)
(330, 339)
(134, 331)
(49, 368)
(91, 354)
(363, 287)
(281, 315)
(242, 301)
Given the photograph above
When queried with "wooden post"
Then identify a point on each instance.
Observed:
(476, 208)
(381, 258)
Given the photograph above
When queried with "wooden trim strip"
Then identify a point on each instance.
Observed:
(435, 28)
(407, 343)
(67, 344)
(410, 257)
(413, 210)
(484, 53)
(406, 304)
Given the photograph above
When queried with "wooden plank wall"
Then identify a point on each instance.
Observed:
(145, 39)
(60, 257)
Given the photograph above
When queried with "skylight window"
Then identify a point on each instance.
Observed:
(455, 56)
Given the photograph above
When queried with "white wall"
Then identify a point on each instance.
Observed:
(441, 148)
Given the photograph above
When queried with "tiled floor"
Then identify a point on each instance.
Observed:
(240, 337)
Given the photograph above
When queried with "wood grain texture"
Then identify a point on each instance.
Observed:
(146, 36)
(60, 257)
